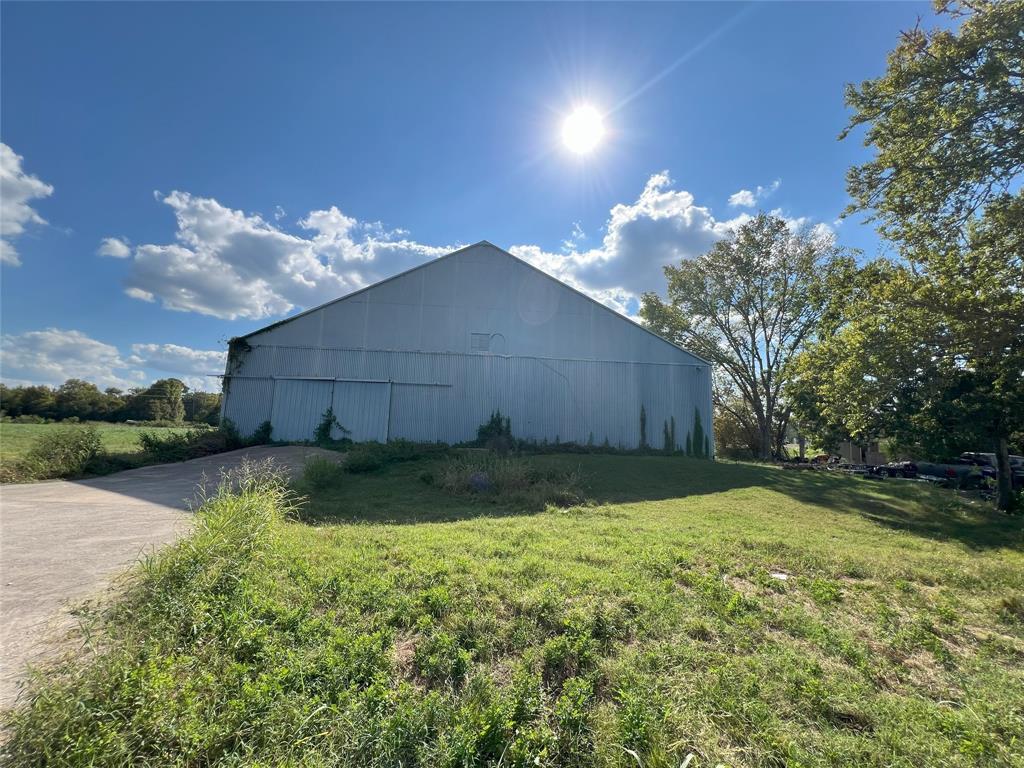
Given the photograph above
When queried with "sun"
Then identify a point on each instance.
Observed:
(583, 130)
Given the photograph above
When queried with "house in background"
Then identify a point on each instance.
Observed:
(858, 453)
(429, 354)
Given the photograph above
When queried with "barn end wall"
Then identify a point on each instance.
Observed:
(478, 293)
(444, 397)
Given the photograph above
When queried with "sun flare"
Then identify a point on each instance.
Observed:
(583, 130)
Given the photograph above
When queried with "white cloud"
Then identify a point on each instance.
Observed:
(175, 358)
(52, 356)
(230, 264)
(138, 293)
(17, 188)
(744, 199)
(572, 242)
(664, 225)
(114, 247)
(747, 199)
(193, 366)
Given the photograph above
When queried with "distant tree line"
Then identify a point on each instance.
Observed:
(167, 400)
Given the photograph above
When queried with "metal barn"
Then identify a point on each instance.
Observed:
(429, 354)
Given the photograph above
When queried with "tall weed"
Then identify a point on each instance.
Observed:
(512, 480)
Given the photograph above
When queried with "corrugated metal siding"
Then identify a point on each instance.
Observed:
(480, 289)
(361, 407)
(446, 396)
(248, 403)
(299, 406)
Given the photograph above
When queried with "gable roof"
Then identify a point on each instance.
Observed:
(465, 248)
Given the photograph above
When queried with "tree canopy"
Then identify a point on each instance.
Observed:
(932, 349)
(748, 305)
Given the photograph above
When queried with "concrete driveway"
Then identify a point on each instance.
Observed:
(62, 542)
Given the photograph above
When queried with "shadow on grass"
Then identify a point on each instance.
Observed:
(916, 508)
(399, 495)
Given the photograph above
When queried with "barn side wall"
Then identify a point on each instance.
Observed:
(445, 396)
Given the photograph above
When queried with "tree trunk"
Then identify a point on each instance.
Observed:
(766, 442)
(1005, 477)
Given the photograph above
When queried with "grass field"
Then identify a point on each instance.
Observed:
(718, 613)
(17, 439)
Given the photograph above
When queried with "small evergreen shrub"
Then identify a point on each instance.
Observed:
(699, 442)
(496, 433)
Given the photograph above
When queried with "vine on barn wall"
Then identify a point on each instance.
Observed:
(238, 350)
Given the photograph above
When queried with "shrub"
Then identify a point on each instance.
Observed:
(495, 433)
(262, 435)
(63, 453)
(320, 474)
(514, 480)
(364, 458)
(231, 436)
(369, 457)
(181, 446)
(29, 418)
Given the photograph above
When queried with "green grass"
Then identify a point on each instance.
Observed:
(16, 440)
(397, 624)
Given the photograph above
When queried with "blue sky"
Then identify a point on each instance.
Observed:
(177, 174)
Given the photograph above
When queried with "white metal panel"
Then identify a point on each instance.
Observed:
(362, 408)
(418, 411)
(247, 403)
(478, 289)
(547, 399)
(299, 406)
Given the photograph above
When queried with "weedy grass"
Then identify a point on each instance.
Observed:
(16, 440)
(717, 613)
(510, 480)
(31, 452)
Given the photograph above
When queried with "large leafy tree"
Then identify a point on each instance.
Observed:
(946, 122)
(749, 305)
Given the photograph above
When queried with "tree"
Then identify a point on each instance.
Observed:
(161, 401)
(79, 399)
(749, 305)
(946, 122)
(37, 400)
(202, 407)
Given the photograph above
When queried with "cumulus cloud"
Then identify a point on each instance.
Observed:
(52, 356)
(664, 225)
(114, 247)
(198, 368)
(746, 198)
(175, 358)
(17, 189)
(230, 264)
